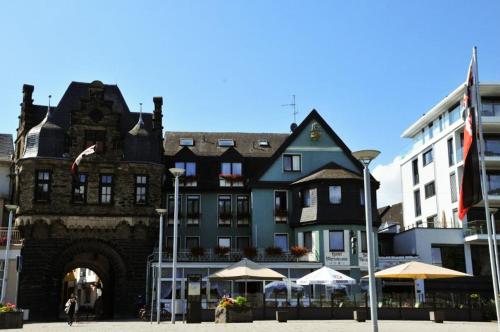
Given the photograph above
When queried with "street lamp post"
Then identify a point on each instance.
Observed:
(161, 212)
(12, 209)
(176, 172)
(366, 156)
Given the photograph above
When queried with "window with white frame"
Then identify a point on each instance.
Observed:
(171, 209)
(281, 241)
(224, 242)
(189, 178)
(225, 211)
(280, 206)
(231, 174)
(292, 163)
(336, 240)
(308, 241)
(193, 209)
(242, 210)
(192, 242)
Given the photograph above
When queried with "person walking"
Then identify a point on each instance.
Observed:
(71, 308)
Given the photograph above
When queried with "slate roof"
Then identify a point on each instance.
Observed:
(6, 146)
(206, 143)
(393, 213)
(46, 141)
(330, 171)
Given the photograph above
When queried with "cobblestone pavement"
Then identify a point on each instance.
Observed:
(266, 326)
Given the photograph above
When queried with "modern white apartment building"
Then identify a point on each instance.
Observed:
(431, 173)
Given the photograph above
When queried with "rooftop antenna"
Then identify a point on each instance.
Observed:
(295, 112)
(294, 106)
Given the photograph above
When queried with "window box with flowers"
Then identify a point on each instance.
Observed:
(221, 251)
(10, 316)
(281, 215)
(274, 251)
(250, 252)
(197, 251)
(231, 180)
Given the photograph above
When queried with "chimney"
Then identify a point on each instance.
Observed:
(157, 113)
(27, 95)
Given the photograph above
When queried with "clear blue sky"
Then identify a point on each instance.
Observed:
(370, 68)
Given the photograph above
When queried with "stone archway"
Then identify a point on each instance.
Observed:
(104, 260)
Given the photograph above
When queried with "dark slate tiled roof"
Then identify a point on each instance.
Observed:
(393, 213)
(331, 171)
(6, 146)
(46, 139)
(206, 143)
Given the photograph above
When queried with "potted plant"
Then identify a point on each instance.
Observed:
(250, 252)
(231, 310)
(197, 251)
(274, 251)
(10, 316)
(298, 251)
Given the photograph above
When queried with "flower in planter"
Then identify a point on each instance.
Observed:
(7, 307)
(281, 213)
(197, 251)
(298, 251)
(274, 251)
(222, 250)
(250, 252)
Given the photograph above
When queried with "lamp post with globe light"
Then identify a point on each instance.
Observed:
(176, 172)
(365, 157)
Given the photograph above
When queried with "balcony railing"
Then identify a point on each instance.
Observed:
(432, 225)
(209, 255)
(478, 227)
(15, 238)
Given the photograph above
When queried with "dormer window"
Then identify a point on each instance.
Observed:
(263, 143)
(225, 142)
(231, 175)
(189, 179)
(186, 142)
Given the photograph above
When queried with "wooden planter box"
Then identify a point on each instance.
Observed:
(11, 320)
(233, 315)
(359, 315)
(281, 316)
(436, 316)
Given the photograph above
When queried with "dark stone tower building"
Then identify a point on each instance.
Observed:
(104, 218)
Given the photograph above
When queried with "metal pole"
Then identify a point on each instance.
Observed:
(5, 278)
(484, 184)
(495, 247)
(158, 273)
(174, 250)
(371, 254)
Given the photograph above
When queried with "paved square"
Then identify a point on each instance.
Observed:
(267, 326)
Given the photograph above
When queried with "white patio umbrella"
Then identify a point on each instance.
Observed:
(326, 276)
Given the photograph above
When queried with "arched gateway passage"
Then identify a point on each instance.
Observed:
(105, 262)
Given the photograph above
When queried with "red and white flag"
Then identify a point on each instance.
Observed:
(88, 151)
(470, 187)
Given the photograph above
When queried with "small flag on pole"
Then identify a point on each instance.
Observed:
(88, 151)
(470, 188)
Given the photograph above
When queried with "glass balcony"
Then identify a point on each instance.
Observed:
(478, 227)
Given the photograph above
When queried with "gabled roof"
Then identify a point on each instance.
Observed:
(330, 171)
(392, 213)
(313, 115)
(206, 143)
(6, 146)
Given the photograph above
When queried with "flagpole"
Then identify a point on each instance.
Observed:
(484, 183)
